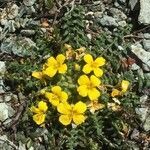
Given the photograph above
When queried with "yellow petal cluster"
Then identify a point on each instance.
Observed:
(69, 113)
(56, 96)
(93, 65)
(88, 86)
(40, 112)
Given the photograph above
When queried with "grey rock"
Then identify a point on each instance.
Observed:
(146, 67)
(1, 29)
(135, 134)
(29, 2)
(144, 12)
(135, 67)
(6, 111)
(7, 98)
(138, 44)
(146, 124)
(108, 21)
(1, 86)
(144, 113)
(143, 99)
(133, 3)
(147, 35)
(6, 144)
(143, 55)
(146, 45)
(2, 68)
(118, 14)
(20, 46)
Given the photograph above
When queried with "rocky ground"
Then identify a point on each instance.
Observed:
(28, 26)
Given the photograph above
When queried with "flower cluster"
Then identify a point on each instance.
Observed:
(72, 104)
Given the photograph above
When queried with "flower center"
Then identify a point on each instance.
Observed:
(90, 86)
(58, 65)
(94, 65)
(55, 97)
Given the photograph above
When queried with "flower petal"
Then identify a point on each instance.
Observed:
(64, 108)
(100, 61)
(95, 81)
(78, 119)
(39, 118)
(98, 72)
(53, 99)
(64, 96)
(62, 69)
(60, 58)
(115, 92)
(93, 94)
(42, 106)
(35, 110)
(51, 62)
(83, 80)
(50, 71)
(56, 90)
(87, 69)
(37, 74)
(88, 58)
(65, 119)
(124, 85)
(82, 90)
(79, 107)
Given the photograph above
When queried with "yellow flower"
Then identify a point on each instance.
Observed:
(56, 96)
(124, 85)
(93, 65)
(94, 105)
(115, 93)
(40, 112)
(88, 86)
(55, 65)
(72, 112)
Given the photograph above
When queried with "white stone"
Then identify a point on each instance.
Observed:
(2, 68)
(29, 2)
(143, 55)
(144, 16)
(1, 86)
(3, 112)
(133, 3)
(6, 111)
(89, 36)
